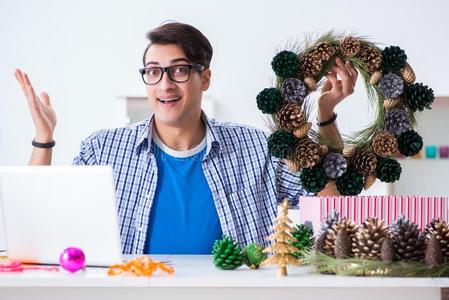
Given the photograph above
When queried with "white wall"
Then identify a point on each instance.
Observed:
(86, 53)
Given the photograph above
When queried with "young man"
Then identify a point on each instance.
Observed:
(182, 179)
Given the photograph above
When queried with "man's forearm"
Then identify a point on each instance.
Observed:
(40, 157)
(330, 133)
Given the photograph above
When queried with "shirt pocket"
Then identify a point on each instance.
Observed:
(252, 212)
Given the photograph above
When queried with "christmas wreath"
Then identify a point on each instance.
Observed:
(368, 154)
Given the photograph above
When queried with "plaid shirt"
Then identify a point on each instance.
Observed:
(246, 182)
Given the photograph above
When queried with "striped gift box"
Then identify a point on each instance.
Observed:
(419, 209)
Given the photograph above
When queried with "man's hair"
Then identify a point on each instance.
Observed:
(195, 45)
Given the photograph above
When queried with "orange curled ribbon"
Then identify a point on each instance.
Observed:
(140, 266)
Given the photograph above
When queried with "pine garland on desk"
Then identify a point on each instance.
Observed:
(365, 267)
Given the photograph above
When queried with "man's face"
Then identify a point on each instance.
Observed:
(175, 104)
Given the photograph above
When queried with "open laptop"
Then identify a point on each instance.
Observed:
(49, 208)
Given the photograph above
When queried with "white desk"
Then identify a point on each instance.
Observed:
(197, 278)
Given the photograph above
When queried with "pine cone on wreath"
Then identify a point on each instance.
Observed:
(418, 97)
(393, 59)
(369, 180)
(390, 104)
(410, 143)
(311, 64)
(385, 144)
(349, 151)
(397, 121)
(388, 170)
(365, 162)
(350, 46)
(408, 74)
(350, 183)
(281, 144)
(311, 83)
(313, 179)
(325, 50)
(291, 117)
(303, 130)
(335, 165)
(269, 100)
(324, 150)
(227, 254)
(375, 77)
(294, 90)
(291, 165)
(285, 64)
(391, 85)
(307, 153)
(372, 57)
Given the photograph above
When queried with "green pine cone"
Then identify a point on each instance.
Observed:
(227, 254)
(418, 97)
(253, 255)
(350, 183)
(269, 100)
(285, 64)
(313, 179)
(388, 169)
(410, 143)
(304, 239)
(281, 144)
(393, 59)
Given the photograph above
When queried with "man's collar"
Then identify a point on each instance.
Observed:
(145, 135)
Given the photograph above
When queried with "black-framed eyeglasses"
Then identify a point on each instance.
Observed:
(176, 73)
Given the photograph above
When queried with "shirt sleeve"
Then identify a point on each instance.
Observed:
(86, 155)
(288, 184)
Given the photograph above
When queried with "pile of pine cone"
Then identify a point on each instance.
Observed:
(403, 241)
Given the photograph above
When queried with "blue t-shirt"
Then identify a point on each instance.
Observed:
(183, 218)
